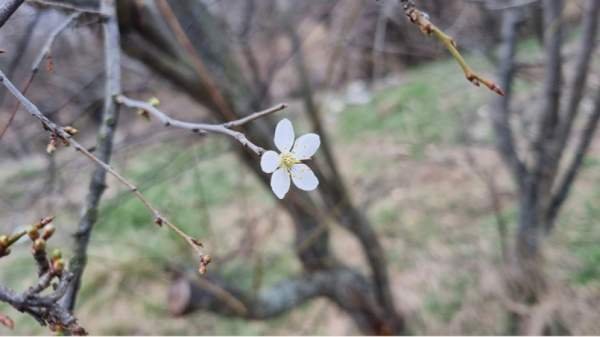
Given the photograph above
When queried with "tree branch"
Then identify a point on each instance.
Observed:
(421, 19)
(564, 185)
(348, 289)
(106, 134)
(42, 307)
(7, 8)
(67, 7)
(505, 141)
(59, 132)
(44, 52)
(224, 128)
(587, 47)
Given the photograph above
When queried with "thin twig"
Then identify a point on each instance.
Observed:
(7, 8)
(421, 19)
(44, 52)
(66, 137)
(224, 128)
(68, 7)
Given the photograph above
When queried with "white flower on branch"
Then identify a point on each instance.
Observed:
(288, 163)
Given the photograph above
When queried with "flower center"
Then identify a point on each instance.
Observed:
(287, 160)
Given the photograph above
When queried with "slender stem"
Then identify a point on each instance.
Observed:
(224, 128)
(7, 8)
(44, 52)
(428, 28)
(63, 135)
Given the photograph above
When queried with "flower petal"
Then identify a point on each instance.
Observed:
(306, 146)
(284, 135)
(269, 161)
(280, 183)
(303, 177)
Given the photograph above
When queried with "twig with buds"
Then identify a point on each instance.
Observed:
(421, 20)
(64, 134)
(44, 308)
(146, 109)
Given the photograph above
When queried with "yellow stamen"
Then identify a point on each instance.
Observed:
(287, 160)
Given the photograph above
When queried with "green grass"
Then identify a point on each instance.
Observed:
(182, 185)
(584, 243)
(447, 304)
(425, 109)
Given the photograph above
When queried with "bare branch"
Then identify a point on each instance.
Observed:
(44, 52)
(7, 8)
(348, 289)
(564, 185)
(106, 134)
(224, 128)
(587, 47)
(43, 308)
(67, 7)
(421, 19)
(505, 141)
(60, 132)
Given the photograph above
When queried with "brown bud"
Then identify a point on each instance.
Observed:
(3, 241)
(51, 148)
(197, 242)
(58, 266)
(71, 130)
(4, 252)
(48, 231)
(78, 331)
(39, 245)
(159, 221)
(143, 113)
(49, 64)
(7, 321)
(46, 220)
(33, 233)
(204, 261)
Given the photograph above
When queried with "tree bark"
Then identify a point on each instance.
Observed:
(106, 134)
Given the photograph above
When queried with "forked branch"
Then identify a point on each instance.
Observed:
(41, 300)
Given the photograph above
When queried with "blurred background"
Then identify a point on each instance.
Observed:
(443, 208)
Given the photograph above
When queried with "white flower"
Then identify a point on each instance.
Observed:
(289, 161)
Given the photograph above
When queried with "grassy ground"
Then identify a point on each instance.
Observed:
(404, 156)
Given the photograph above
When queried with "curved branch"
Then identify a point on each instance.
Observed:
(348, 289)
